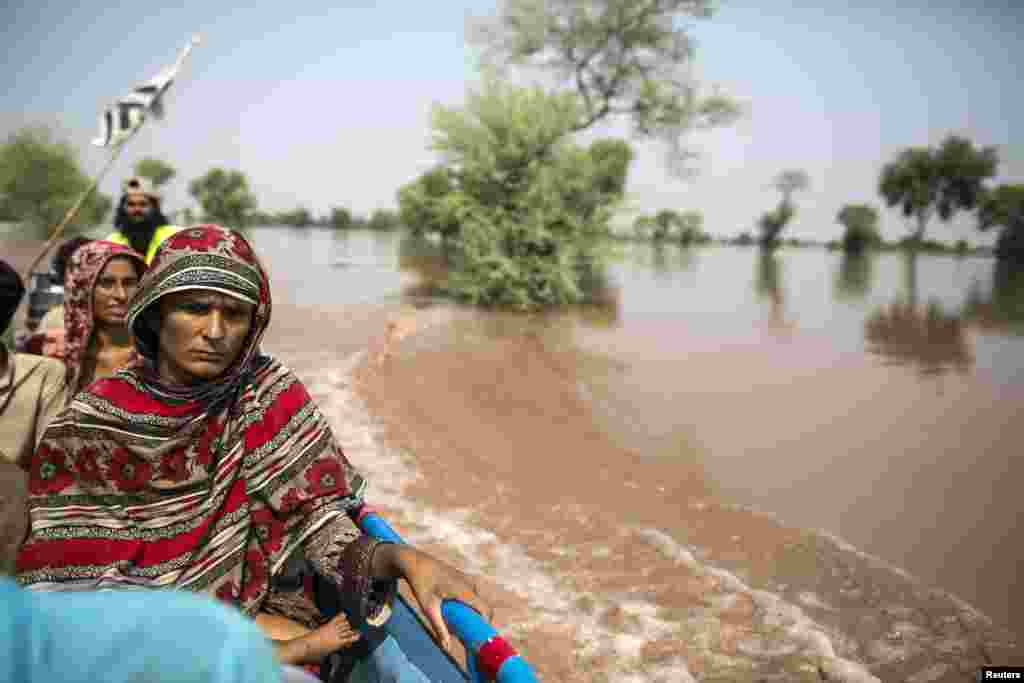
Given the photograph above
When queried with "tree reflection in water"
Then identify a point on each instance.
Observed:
(1003, 310)
(905, 333)
(855, 276)
(602, 303)
(428, 260)
(768, 285)
(668, 260)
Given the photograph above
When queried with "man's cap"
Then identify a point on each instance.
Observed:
(139, 185)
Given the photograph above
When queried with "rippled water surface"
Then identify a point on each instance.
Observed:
(877, 399)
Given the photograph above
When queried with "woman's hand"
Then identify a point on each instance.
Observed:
(432, 581)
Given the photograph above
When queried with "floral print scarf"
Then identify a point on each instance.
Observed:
(80, 279)
(207, 488)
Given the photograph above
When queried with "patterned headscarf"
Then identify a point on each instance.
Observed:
(80, 278)
(207, 488)
(211, 258)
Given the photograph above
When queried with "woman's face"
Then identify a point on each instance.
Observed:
(114, 287)
(201, 334)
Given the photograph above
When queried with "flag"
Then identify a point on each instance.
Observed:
(123, 117)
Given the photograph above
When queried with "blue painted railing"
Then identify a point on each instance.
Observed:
(485, 646)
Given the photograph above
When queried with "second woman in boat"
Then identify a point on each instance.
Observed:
(99, 283)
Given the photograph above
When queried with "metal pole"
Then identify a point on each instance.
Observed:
(73, 211)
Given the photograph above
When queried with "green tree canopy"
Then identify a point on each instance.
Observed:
(774, 222)
(861, 226)
(1004, 208)
(613, 157)
(341, 218)
(666, 221)
(528, 203)
(299, 217)
(157, 171)
(691, 228)
(40, 180)
(685, 227)
(644, 226)
(383, 220)
(224, 196)
(422, 204)
(924, 181)
(626, 59)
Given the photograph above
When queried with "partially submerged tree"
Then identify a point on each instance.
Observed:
(530, 206)
(40, 180)
(157, 171)
(421, 204)
(644, 227)
(924, 181)
(773, 222)
(684, 227)
(224, 196)
(861, 227)
(691, 228)
(383, 220)
(299, 217)
(666, 221)
(1004, 208)
(341, 218)
(625, 59)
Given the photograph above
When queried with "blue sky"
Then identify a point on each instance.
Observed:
(327, 104)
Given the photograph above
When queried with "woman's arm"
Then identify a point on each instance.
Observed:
(432, 581)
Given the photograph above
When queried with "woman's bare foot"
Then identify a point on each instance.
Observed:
(280, 628)
(312, 646)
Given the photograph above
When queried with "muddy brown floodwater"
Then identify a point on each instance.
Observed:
(739, 468)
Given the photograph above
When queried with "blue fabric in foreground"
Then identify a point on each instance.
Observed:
(128, 636)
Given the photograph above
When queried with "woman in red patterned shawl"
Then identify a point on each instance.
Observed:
(206, 465)
(98, 284)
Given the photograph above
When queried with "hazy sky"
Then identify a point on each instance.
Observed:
(325, 104)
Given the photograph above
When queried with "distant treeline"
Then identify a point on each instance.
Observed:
(339, 218)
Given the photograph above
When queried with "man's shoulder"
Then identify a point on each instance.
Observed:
(54, 318)
(45, 368)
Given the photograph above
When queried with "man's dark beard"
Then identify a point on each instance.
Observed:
(139, 233)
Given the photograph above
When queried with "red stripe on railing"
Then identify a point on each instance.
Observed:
(492, 655)
(366, 509)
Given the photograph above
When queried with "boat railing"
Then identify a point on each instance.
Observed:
(489, 656)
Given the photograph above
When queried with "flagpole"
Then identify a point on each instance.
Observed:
(77, 206)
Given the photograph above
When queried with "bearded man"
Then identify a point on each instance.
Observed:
(139, 220)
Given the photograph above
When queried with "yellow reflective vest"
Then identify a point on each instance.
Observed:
(159, 236)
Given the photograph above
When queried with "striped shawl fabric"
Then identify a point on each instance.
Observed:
(207, 488)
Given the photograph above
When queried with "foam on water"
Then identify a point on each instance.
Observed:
(967, 610)
(551, 602)
(801, 632)
(782, 629)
